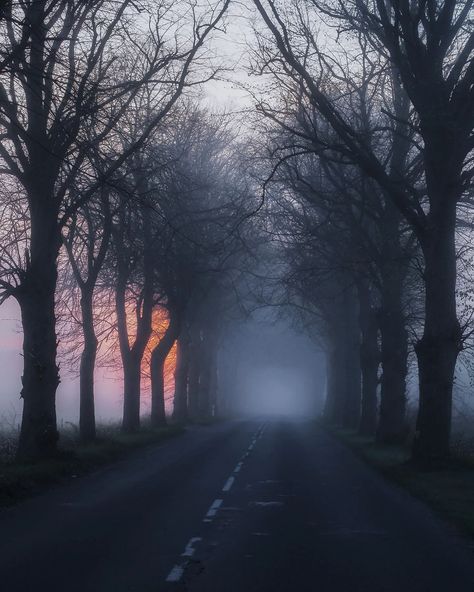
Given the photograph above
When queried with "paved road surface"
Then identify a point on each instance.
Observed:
(243, 506)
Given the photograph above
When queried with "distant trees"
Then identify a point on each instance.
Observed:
(74, 69)
(151, 257)
(156, 248)
(426, 101)
(140, 201)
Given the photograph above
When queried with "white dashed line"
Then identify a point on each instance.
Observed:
(189, 550)
(228, 484)
(175, 574)
(216, 504)
(178, 570)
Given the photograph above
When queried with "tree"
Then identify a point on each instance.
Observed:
(430, 50)
(87, 242)
(74, 68)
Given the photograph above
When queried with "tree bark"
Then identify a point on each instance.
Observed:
(39, 434)
(369, 361)
(180, 407)
(132, 355)
(352, 385)
(87, 426)
(394, 337)
(157, 366)
(214, 383)
(131, 395)
(205, 396)
(337, 369)
(194, 376)
(394, 355)
(438, 349)
(335, 372)
(36, 296)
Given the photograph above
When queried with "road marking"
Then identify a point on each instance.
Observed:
(216, 504)
(175, 574)
(228, 484)
(271, 504)
(177, 571)
(189, 550)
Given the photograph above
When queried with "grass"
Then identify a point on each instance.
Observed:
(19, 481)
(449, 491)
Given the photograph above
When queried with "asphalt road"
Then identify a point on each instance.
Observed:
(242, 506)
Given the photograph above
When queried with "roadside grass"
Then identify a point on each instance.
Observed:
(19, 481)
(449, 490)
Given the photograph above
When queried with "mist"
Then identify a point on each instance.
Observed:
(270, 368)
(236, 295)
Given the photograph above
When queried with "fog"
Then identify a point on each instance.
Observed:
(268, 367)
(274, 390)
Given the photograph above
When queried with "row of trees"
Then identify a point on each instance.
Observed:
(117, 198)
(371, 139)
(146, 261)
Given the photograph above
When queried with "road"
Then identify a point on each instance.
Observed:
(241, 506)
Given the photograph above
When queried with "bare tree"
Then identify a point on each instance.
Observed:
(430, 49)
(87, 241)
(80, 67)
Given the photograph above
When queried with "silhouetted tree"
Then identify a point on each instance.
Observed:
(430, 50)
(73, 70)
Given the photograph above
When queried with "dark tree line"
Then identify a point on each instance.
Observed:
(385, 107)
(72, 74)
(123, 202)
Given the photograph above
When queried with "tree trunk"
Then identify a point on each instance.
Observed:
(394, 356)
(194, 376)
(131, 394)
(394, 337)
(205, 398)
(214, 383)
(180, 407)
(39, 434)
(193, 383)
(132, 356)
(131, 363)
(36, 297)
(369, 361)
(335, 372)
(157, 366)
(438, 349)
(87, 428)
(352, 386)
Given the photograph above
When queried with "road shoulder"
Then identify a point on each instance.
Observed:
(19, 481)
(448, 491)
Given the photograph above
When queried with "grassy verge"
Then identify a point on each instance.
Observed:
(19, 481)
(448, 490)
